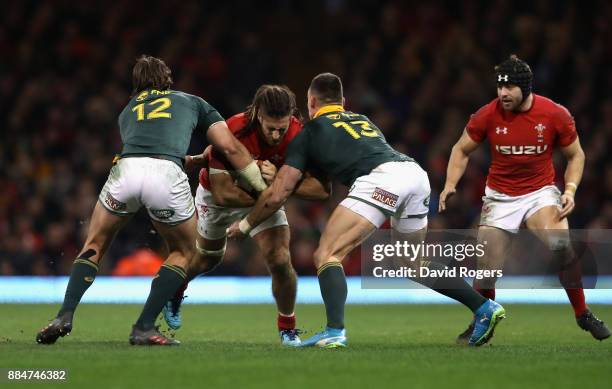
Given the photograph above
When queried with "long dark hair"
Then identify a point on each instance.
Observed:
(150, 72)
(276, 101)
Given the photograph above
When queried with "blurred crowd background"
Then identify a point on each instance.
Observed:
(418, 69)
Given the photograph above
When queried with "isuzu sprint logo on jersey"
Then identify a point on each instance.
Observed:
(385, 197)
(501, 130)
(540, 129)
(521, 150)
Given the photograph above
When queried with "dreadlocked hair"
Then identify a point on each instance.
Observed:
(276, 101)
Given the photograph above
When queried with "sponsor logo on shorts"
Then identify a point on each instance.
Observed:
(163, 213)
(486, 214)
(203, 211)
(387, 198)
(426, 201)
(113, 203)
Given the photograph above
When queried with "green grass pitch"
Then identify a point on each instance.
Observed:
(403, 346)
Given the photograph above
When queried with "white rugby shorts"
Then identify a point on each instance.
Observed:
(396, 190)
(157, 184)
(509, 212)
(214, 220)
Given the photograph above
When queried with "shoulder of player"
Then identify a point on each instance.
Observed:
(295, 123)
(490, 108)
(314, 124)
(179, 95)
(550, 107)
(196, 101)
(325, 122)
(237, 122)
(295, 127)
(485, 112)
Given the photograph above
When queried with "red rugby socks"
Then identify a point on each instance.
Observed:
(285, 322)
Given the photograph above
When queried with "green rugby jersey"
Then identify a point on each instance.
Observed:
(343, 144)
(160, 123)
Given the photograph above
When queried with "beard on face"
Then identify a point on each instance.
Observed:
(509, 103)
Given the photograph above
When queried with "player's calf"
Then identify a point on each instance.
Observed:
(284, 286)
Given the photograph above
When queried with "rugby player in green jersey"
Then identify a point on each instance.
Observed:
(384, 184)
(156, 127)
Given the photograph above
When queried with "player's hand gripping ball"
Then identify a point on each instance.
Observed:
(268, 171)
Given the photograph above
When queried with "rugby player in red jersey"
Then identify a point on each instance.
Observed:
(522, 129)
(266, 128)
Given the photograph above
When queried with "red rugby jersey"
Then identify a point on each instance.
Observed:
(522, 143)
(258, 148)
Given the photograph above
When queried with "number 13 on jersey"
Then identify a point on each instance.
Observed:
(364, 129)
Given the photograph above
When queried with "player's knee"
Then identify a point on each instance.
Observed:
(322, 256)
(188, 252)
(209, 263)
(558, 244)
(277, 256)
(281, 270)
(206, 260)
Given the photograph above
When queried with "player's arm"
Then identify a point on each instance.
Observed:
(457, 163)
(199, 161)
(236, 153)
(270, 201)
(313, 188)
(227, 194)
(309, 188)
(573, 174)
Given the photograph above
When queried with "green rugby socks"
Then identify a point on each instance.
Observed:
(454, 287)
(81, 277)
(333, 290)
(164, 286)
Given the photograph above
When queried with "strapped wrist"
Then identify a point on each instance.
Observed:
(245, 226)
(570, 189)
(252, 175)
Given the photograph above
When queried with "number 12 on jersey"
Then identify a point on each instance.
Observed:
(364, 128)
(159, 112)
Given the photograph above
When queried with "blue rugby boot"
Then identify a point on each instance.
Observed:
(290, 338)
(172, 317)
(330, 338)
(486, 319)
(172, 313)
